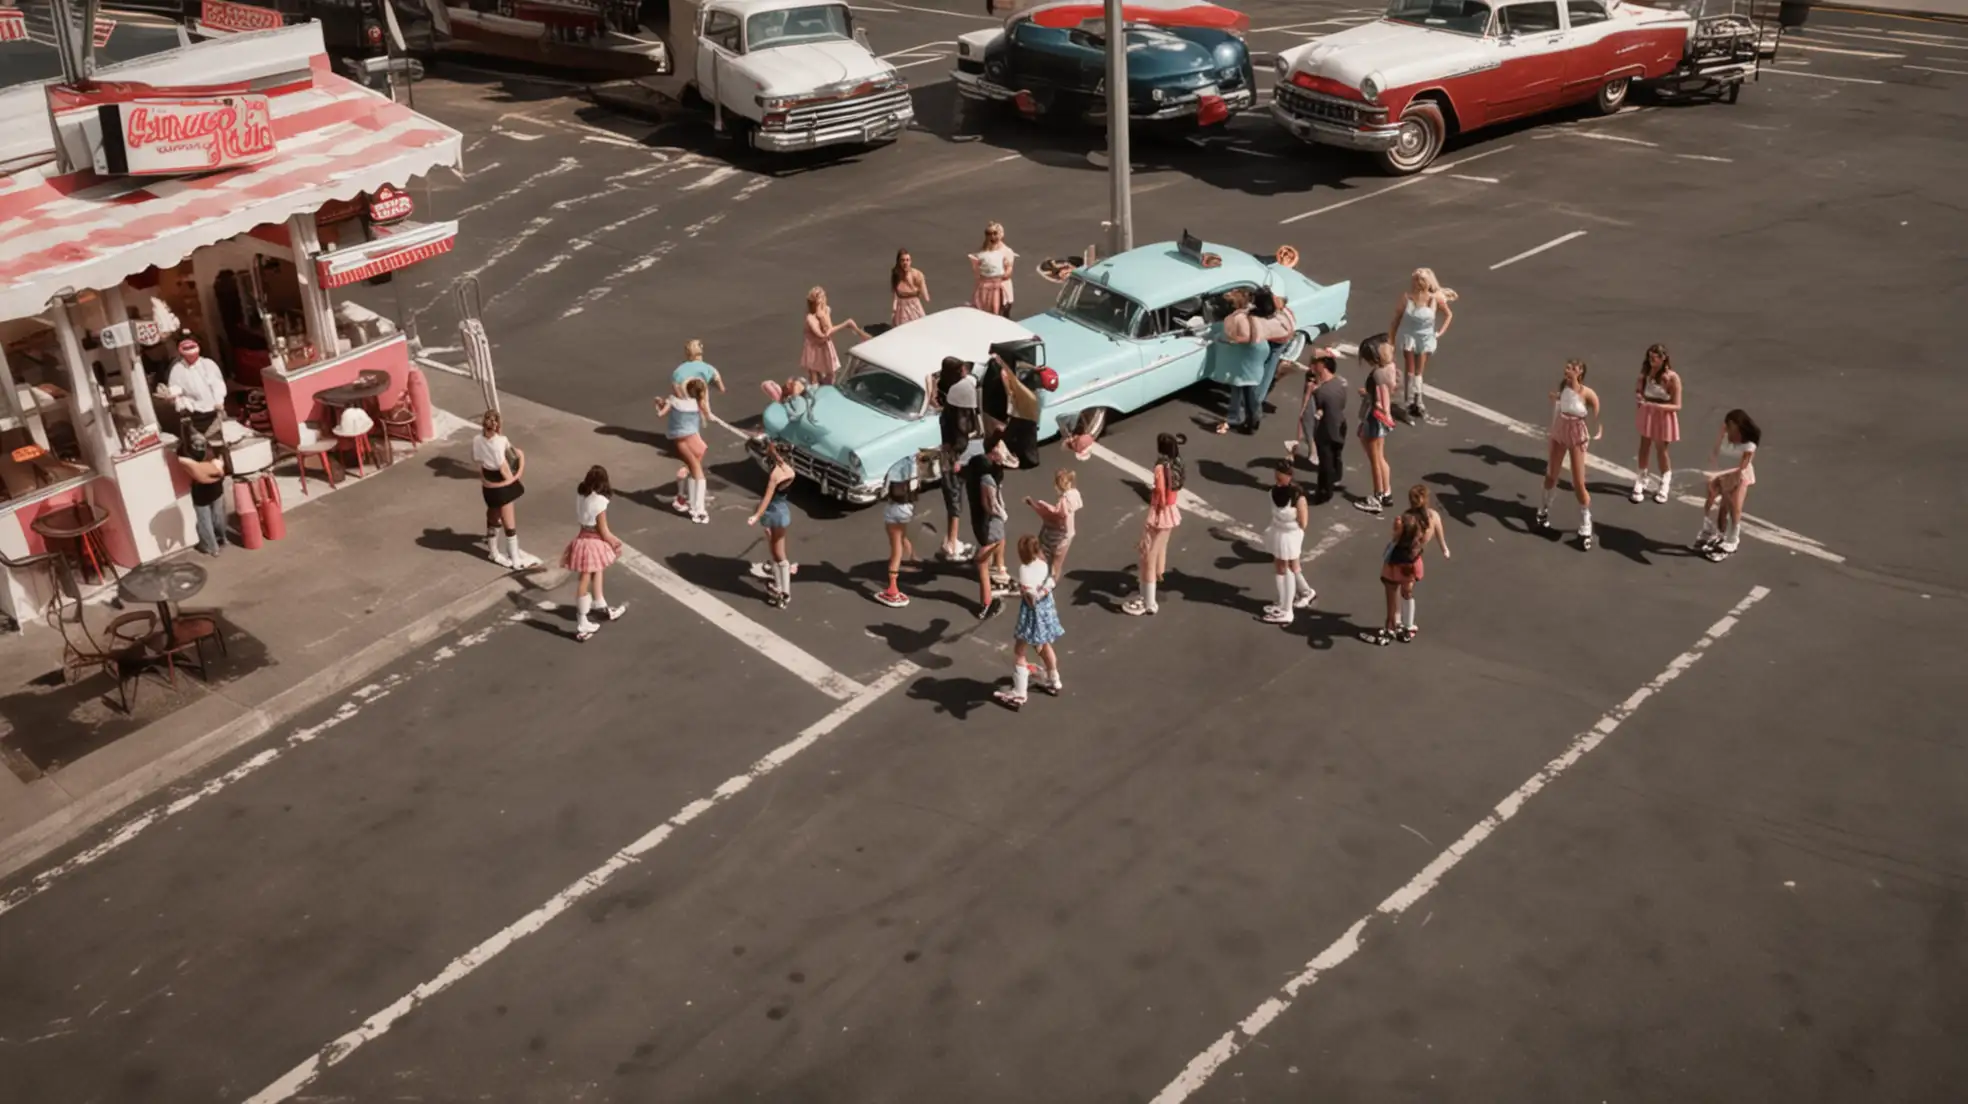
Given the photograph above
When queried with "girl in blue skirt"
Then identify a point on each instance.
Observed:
(1038, 625)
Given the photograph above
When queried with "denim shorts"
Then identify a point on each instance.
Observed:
(898, 513)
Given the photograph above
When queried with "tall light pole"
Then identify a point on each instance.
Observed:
(1118, 158)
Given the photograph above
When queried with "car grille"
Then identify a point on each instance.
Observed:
(839, 113)
(816, 468)
(1301, 104)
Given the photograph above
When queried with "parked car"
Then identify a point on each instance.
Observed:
(1188, 64)
(1429, 69)
(1125, 332)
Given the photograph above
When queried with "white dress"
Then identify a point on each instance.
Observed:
(1284, 539)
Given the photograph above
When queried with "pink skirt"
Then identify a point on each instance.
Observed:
(818, 359)
(689, 449)
(1658, 424)
(907, 309)
(1568, 431)
(587, 552)
(993, 294)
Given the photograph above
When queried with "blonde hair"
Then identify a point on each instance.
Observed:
(813, 298)
(1426, 278)
(1063, 480)
(694, 349)
(991, 228)
(490, 423)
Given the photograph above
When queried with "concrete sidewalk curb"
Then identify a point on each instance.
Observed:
(1941, 11)
(93, 808)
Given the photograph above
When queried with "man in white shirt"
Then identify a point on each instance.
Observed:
(197, 387)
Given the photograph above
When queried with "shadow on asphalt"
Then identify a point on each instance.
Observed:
(450, 467)
(915, 645)
(451, 540)
(954, 696)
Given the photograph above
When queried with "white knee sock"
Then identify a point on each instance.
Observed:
(1417, 387)
(782, 573)
(1285, 592)
(1021, 678)
(582, 606)
(512, 546)
(1412, 383)
(1408, 613)
(1708, 525)
(1735, 530)
(1666, 477)
(696, 496)
(1585, 519)
(1299, 583)
(1148, 593)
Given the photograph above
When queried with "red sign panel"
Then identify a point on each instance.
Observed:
(13, 25)
(103, 29)
(221, 17)
(389, 205)
(387, 254)
(160, 137)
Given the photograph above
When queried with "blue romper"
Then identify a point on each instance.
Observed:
(778, 512)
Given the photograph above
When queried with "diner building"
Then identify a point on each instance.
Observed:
(225, 192)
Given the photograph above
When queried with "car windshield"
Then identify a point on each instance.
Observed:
(789, 26)
(880, 389)
(1089, 304)
(1461, 16)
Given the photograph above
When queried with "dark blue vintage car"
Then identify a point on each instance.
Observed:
(1188, 64)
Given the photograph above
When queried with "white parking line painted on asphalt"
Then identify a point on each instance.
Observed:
(715, 176)
(1394, 187)
(1822, 76)
(356, 701)
(927, 47)
(566, 165)
(1193, 503)
(518, 135)
(1596, 136)
(1845, 50)
(1889, 38)
(1451, 166)
(1753, 526)
(1932, 69)
(1552, 244)
(1201, 1068)
(1474, 179)
(1705, 157)
(290, 1084)
(745, 630)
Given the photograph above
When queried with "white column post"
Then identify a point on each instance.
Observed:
(93, 427)
(316, 310)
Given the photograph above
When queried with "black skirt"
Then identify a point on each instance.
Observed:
(495, 497)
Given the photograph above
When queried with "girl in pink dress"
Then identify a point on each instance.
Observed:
(911, 290)
(1658, 418)
(1163, 516)
(992, 263)
(817, 357)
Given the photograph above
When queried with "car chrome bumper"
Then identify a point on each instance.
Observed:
(833, 482)
(976, 86)
(1373, 139)
(867, 133)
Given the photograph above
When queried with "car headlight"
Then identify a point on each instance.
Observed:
(854, 463)
(1373, 86)
(774, 103)
(1283, 66)
(963, 48)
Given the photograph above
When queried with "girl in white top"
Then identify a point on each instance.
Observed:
(1285, 540)
(591, 551)
(1722, 513)
(1421, 317)
(1574, 407)
(992, 263)
(500, 467)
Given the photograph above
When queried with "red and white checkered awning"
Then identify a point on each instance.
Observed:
(399, 247)
(336, 141)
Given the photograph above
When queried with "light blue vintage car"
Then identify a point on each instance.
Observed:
(1124, 333)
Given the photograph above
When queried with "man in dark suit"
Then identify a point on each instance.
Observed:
(1327, 421)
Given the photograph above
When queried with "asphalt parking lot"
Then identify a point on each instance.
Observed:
(1622, 825)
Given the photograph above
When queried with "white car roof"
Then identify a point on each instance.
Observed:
(746, 8)
(915, 349)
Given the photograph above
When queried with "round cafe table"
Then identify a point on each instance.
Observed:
(163, 583)
(369, 385)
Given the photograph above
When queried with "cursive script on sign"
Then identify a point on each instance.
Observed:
(219, 15)
(194, 135)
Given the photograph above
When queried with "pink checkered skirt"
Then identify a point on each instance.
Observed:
(1657, 423)
(992, 294)
(1568, 430)
(587, 552)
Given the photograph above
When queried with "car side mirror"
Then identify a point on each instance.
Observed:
(861, 39)
(1195, 325)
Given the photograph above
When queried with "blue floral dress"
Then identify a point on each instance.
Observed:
(1038, 619)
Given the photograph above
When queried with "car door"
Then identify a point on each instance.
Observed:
(1532, 45)
(1172, 358)
(718, 42)
(1591, 56)
(1223, 358)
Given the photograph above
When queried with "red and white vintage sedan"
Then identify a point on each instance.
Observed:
(1400, 86)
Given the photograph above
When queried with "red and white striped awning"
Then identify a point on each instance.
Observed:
(337, 140)
(399, 247)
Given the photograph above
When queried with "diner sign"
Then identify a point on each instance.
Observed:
(217, 17)
(163, 137)
(390, 205)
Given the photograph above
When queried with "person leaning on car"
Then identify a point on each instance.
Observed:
(1021, 430)
(955, 397)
